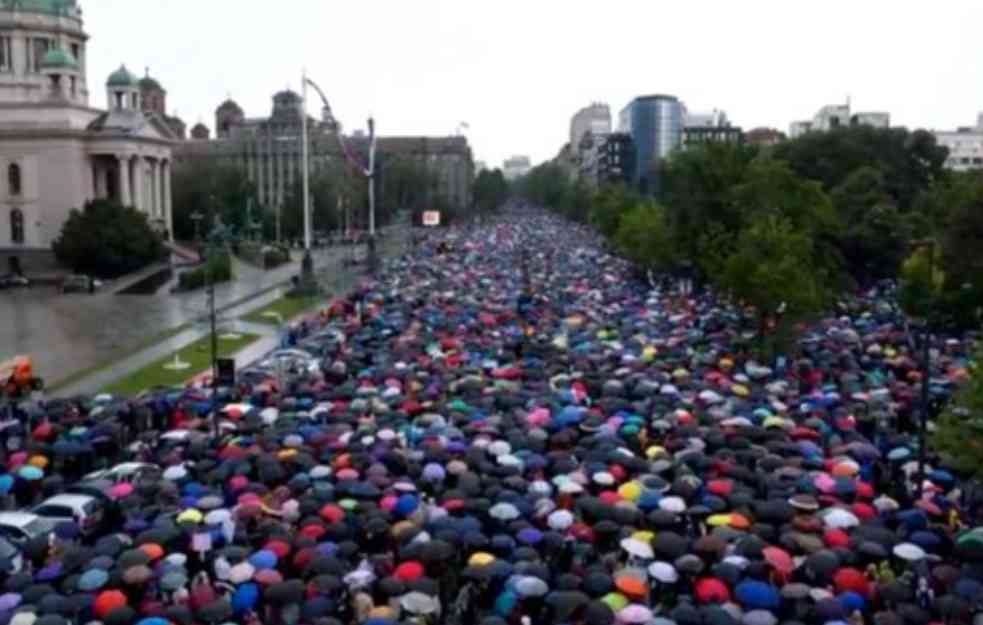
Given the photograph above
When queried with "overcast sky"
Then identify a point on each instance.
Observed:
(516, 70)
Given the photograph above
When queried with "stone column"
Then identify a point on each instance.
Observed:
(139, 188)
(168, 216)
(157, 204)
(124, 179)
(97, 179)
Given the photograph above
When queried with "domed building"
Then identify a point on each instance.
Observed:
(59, 151)
(154, 98)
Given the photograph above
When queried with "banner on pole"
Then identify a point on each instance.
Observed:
(431, 218)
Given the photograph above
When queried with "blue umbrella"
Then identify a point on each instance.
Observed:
(93, 579)
(406, 505)
(757, 595)
(263, 559)
(30, 473)
(6, 483)
(245, 598)
(852, 602)
(153, 620)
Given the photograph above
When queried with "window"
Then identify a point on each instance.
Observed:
(6, 62)
(75, 53)
(14, 179)
(41, 46)
(16, 226)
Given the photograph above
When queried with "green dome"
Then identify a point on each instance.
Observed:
(56, 58)
(48, 7)
(149, 84)
(122, 78)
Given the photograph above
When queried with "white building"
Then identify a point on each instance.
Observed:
(56, 151)
(838, 115)
(595, 119)
(516, 167)
(965, 146)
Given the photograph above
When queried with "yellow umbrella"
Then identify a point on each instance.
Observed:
(740, 390)
(649, 353)
(630, 490)
(644, 535)
(191, 515)
(718, 520)
(481, 558)
(38, 461)
(615, 600)
(655, 451)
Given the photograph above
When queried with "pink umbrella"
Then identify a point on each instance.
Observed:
(824, 482)
(634, 614)
(123, 489)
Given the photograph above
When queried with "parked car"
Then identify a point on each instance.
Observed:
(85, 510)
(11, 559)
(126, 472)
(20, 527)
(12, 280)
(80, 284)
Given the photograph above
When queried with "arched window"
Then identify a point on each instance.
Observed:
(13, 179)
(16, 226)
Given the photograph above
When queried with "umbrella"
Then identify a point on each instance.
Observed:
(757, 595)
(637, 548)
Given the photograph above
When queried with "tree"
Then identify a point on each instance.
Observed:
(644, 238)
(107, 239)
(609, 205)
(771, 268)
(490, 190)
(909, 161)
(922, 281)
(959, 432)
(211, 189)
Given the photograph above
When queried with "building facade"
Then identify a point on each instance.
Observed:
(269, 151)
(764, 137)
(965, 146)
(589, 128)
(711, 127)
(837, 116)
(516, 167)
(56, 151)
(617, 159)
(655, 124)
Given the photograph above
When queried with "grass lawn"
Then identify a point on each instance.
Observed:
(287, 307)
(116, 356)
(197, 354)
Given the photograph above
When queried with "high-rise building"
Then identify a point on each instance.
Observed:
(58, 152)
(516, 167)
(269, 150)
(617, 159)
(594, 119)
(655, 124)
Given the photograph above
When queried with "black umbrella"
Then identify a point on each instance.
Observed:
(124, 615)
(216, 611)
(598, 613)
(565, 603)
(670, 545)
(283, 593)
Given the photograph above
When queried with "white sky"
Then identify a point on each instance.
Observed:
(516, 70)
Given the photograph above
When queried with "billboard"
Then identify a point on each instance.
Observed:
(431, 218)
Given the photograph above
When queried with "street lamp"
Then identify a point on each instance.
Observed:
(197, 217)
(368, 172)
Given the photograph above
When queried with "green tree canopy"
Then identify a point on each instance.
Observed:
(211, 188)
(490, 190)
(644, 237)
(107, 239)
(959, 432)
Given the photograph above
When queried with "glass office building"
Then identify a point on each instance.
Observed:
(655, 124)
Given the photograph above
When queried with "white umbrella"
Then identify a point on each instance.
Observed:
(560, 520)
(664, 572)
(637, 548)
(241, 573)
(529, 586)
(217, 517)
(909, 551)
(759, 617)
(838, 518)
(673, 504)
(269, 415)
(504, 511)
(418, 603)
(175, 473)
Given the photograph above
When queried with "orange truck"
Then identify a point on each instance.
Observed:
(17, 377)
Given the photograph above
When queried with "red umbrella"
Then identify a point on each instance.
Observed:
(721, 488)
(851, 580)
(280, 548)
(107, 601)
(409, 571)
(43, 431)
(778, 558)
(332, 513)
(712, 590)
(836, 538)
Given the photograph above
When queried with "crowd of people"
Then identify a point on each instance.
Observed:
(506, 426)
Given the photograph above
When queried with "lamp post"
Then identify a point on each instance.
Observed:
(368, 172)
(197, 217)
(926, 368)
(307, 285)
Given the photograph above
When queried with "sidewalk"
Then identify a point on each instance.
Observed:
(233, 300)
